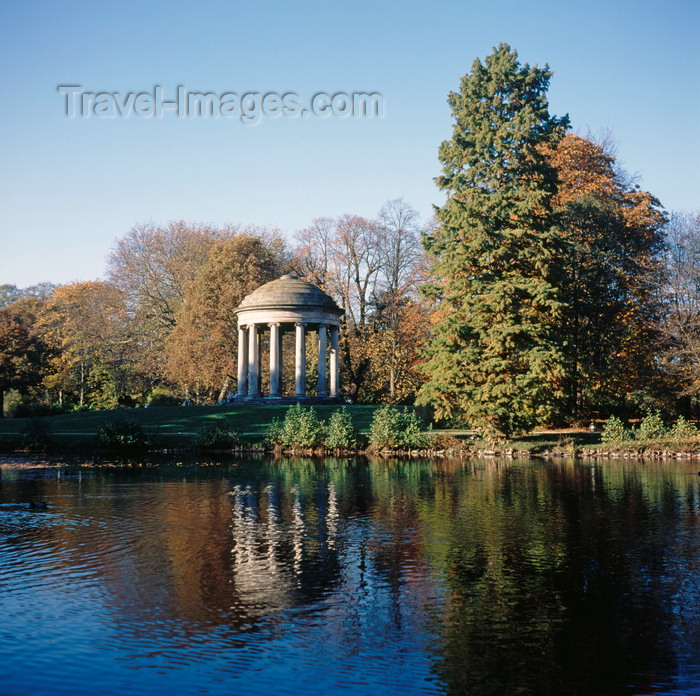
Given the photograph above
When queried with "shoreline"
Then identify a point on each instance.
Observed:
(26, 459)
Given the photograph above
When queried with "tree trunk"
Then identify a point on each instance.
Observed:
(2, 403)
(224, 389)
(82, 383)
(392, 370)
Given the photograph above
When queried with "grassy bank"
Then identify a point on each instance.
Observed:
(172, 426)
(176, 427)
(174, 419)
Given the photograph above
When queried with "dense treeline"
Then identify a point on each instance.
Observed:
(161, 327)
(549, 288)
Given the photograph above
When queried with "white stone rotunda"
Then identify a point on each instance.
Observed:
(287, 304)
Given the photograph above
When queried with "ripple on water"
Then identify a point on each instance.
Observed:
(284, 584)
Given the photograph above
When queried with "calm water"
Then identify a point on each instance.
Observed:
(351, 577)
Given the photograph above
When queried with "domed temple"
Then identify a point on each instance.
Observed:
(287, 304)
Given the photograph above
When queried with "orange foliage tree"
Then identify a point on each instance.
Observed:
(202, 347)
(21, 351)
(151, 265)
(609, 279)
(86, 326)
(372, 268)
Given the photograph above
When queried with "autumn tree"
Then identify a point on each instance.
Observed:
(356, 247)
(400, 316)
(20, 353)
(11, 293)
(401, 252)
(394, 352)
(371, 268)
(342, 256)
(151, 265)
(85, 324)
(495, 360)
(314, 258)
(202, 348)
(680, 295)
(609, 280)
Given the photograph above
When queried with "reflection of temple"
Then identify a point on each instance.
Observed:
(540, 579)
(276, 539)
(235, 553)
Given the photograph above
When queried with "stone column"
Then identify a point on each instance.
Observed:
(322, 342)
(242, 361)
(334, 363)
(253, 361)
(275, 360)
(300, 359)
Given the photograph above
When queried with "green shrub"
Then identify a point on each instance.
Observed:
(160, 396)
(122, 434)
(384, 429)
(275, 432)
(394, 428)
(301, 428)
(217, 436)
(341, 433)
(29, 410)
(412, 436)
(77, 408)
(652, 427)
(11, 402)
(614, 431)
(683, 429)
(36, 435)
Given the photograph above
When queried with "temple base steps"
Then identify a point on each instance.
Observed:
(286, 401)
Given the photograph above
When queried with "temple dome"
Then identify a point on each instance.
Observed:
(289, 292)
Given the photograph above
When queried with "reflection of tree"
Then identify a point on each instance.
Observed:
(380, 593)
(499, 549)
(511, 577)
(621, 594)
(559, 582)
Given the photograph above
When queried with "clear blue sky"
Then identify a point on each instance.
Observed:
(70, 187)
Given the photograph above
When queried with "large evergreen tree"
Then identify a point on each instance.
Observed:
(495, 360)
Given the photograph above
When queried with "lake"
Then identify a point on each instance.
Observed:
(351, 576)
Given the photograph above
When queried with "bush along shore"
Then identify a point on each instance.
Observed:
(392, 431)
(653, 438)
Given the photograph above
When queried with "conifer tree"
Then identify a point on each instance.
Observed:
(495, 359)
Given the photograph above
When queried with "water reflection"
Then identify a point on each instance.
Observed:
(564, 579)
(367, 576)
